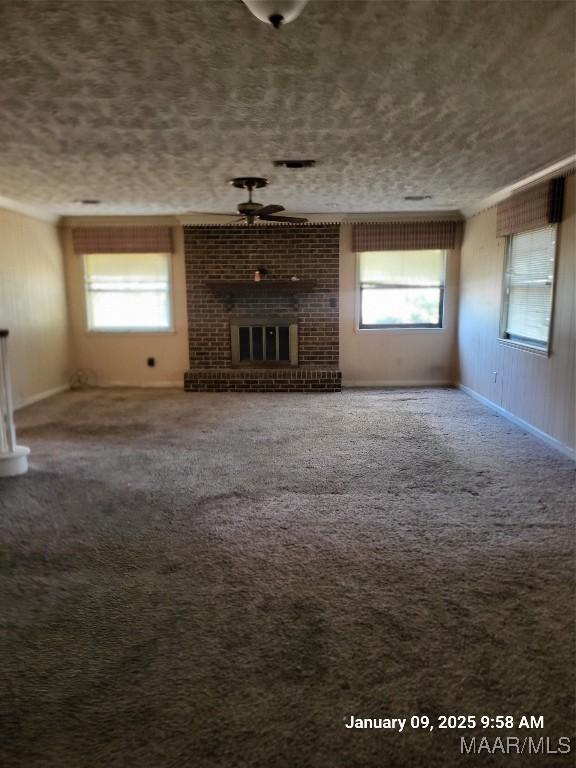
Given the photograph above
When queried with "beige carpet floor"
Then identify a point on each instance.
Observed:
(221, 581)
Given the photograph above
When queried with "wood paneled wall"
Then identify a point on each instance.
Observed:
(536, 389)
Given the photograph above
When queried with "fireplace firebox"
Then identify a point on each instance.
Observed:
(264, 342)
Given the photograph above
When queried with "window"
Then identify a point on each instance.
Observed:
(401, 289)
(528, 287)
(128, 291)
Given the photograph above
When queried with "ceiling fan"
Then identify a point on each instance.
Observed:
(251, 211)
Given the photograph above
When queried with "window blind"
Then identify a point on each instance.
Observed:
(402, 268)
(529, 285)
(401, 288)
(126, 270)
(127, 291)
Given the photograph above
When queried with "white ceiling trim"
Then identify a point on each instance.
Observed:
(119, 221)
(33, 211)
(527, 181)
(225, 220)
(331, 218)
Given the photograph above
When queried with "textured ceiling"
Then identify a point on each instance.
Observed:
(151, 105)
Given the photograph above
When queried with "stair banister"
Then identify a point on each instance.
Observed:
(13, 457)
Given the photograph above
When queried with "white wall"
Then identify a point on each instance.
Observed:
(536, 389)
(33, 305)
(394, 357)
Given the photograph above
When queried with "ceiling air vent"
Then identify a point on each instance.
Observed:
(294, 163)
(418, 197)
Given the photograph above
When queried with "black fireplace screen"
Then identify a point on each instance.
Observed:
(259, 342)
(270, 342)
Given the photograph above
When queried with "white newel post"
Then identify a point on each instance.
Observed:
(13, 458)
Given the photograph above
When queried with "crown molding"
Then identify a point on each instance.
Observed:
(28, 210)
(119, 221)
(177, 219)
(435, 215)
(545, 173)
(328, 218)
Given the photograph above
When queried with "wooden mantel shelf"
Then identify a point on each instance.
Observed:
(251, 288)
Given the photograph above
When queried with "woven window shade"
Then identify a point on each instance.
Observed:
(531, 209)
(406, 235)
(122, 240)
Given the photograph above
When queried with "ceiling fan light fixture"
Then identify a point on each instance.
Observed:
(275, 12)
(251, 211)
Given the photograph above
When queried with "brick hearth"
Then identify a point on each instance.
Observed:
(233, 253)
(263, 380)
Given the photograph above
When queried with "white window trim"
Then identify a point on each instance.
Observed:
(391, 329)
(540, 351)
(150, 331)
(526, 346)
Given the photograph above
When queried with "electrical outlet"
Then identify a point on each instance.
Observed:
(151, 362)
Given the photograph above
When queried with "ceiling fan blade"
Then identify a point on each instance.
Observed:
(268, 209)
(211, 213)
(215, 218)
(288, 219)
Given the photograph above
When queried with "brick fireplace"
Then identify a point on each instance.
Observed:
(279, 334)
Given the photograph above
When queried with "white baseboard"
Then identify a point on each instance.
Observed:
(104, 385)
(544, 436)
(41, 396)
(392, 384)
(148, 385)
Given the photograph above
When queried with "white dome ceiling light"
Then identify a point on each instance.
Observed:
(275, 12)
